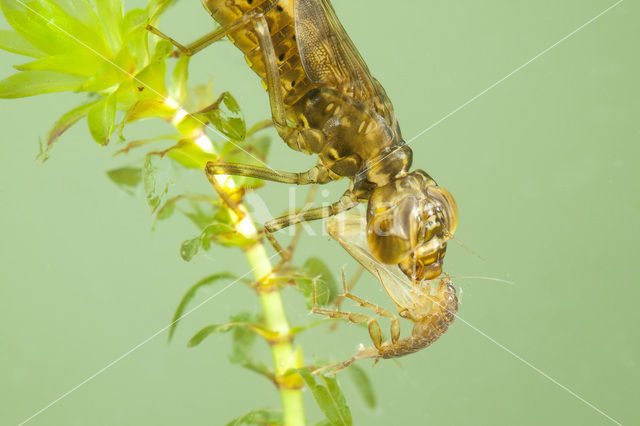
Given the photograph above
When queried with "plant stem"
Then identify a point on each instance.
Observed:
(285, 357)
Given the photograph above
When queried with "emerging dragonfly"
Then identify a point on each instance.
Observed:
(324, 101)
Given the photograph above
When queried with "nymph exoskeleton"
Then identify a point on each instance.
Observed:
(431, 305)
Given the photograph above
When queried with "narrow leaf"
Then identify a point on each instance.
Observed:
(363, 384)
(243, 339)
(178, 88)
(151, 79)
(169, 206)
(49, 28)
(211, 329)
(11, 41)
(258, 417)
(127, 178)
(110, 12)
(82, 65)
(153, 195)
(31, 83)
(190, 294)
(66, 121)
(102, 118)
(150, 108)
(190, 155)
(329, 397)
(136, 36)
(204, 333)
(82, 10)
(141, 142)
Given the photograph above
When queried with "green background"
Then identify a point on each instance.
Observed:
(544, 167)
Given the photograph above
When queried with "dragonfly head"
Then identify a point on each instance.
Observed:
(409, 222)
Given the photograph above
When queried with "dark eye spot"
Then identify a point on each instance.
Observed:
(293, 83)
(250, 1)
(281, 57)
(279, 8)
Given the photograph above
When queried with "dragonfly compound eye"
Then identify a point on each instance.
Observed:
(409, 222)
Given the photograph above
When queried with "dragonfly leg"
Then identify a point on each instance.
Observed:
(206, 40)
(395, 323)
(374, 328)
(346, 202)
(349, 286)
(317, 174)
(226, 197)
(305, 139)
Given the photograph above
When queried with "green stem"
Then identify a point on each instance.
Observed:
(285, 357)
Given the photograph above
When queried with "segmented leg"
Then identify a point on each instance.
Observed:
(226, 197)
(316, 175)
(372, 324)
(346, 202)
(395, 322)
(350, 286)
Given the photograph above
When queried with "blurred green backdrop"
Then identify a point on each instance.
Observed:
(544, 168)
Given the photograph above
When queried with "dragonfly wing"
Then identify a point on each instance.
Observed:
(349, 229)
(329, 56)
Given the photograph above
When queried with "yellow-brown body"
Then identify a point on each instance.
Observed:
(352, 133)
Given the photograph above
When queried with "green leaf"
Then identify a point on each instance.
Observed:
(136, 36)
(49, 28)
(153, 195)
(189, 248)
(258, 417)
(85, 66)
(118, 70)
(329, 397)
(178, 88)
(225, 235)
(190, 294)
(82, 10)
(243, 339)
(363, 384)
(149, 108)
(206, 332)
(127, 178)
(110, 12)
(31, 83)
(169, 207)
(190, 155)
(326, 287)
(141, 142)
(11, 41)
(201, 217)
(218, 232)
(151, 79)
(66, 121)
(226, 116)
(102, 119)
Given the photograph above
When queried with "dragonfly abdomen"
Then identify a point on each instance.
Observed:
(280, 19)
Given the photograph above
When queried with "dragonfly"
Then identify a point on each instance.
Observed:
(325, 102)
